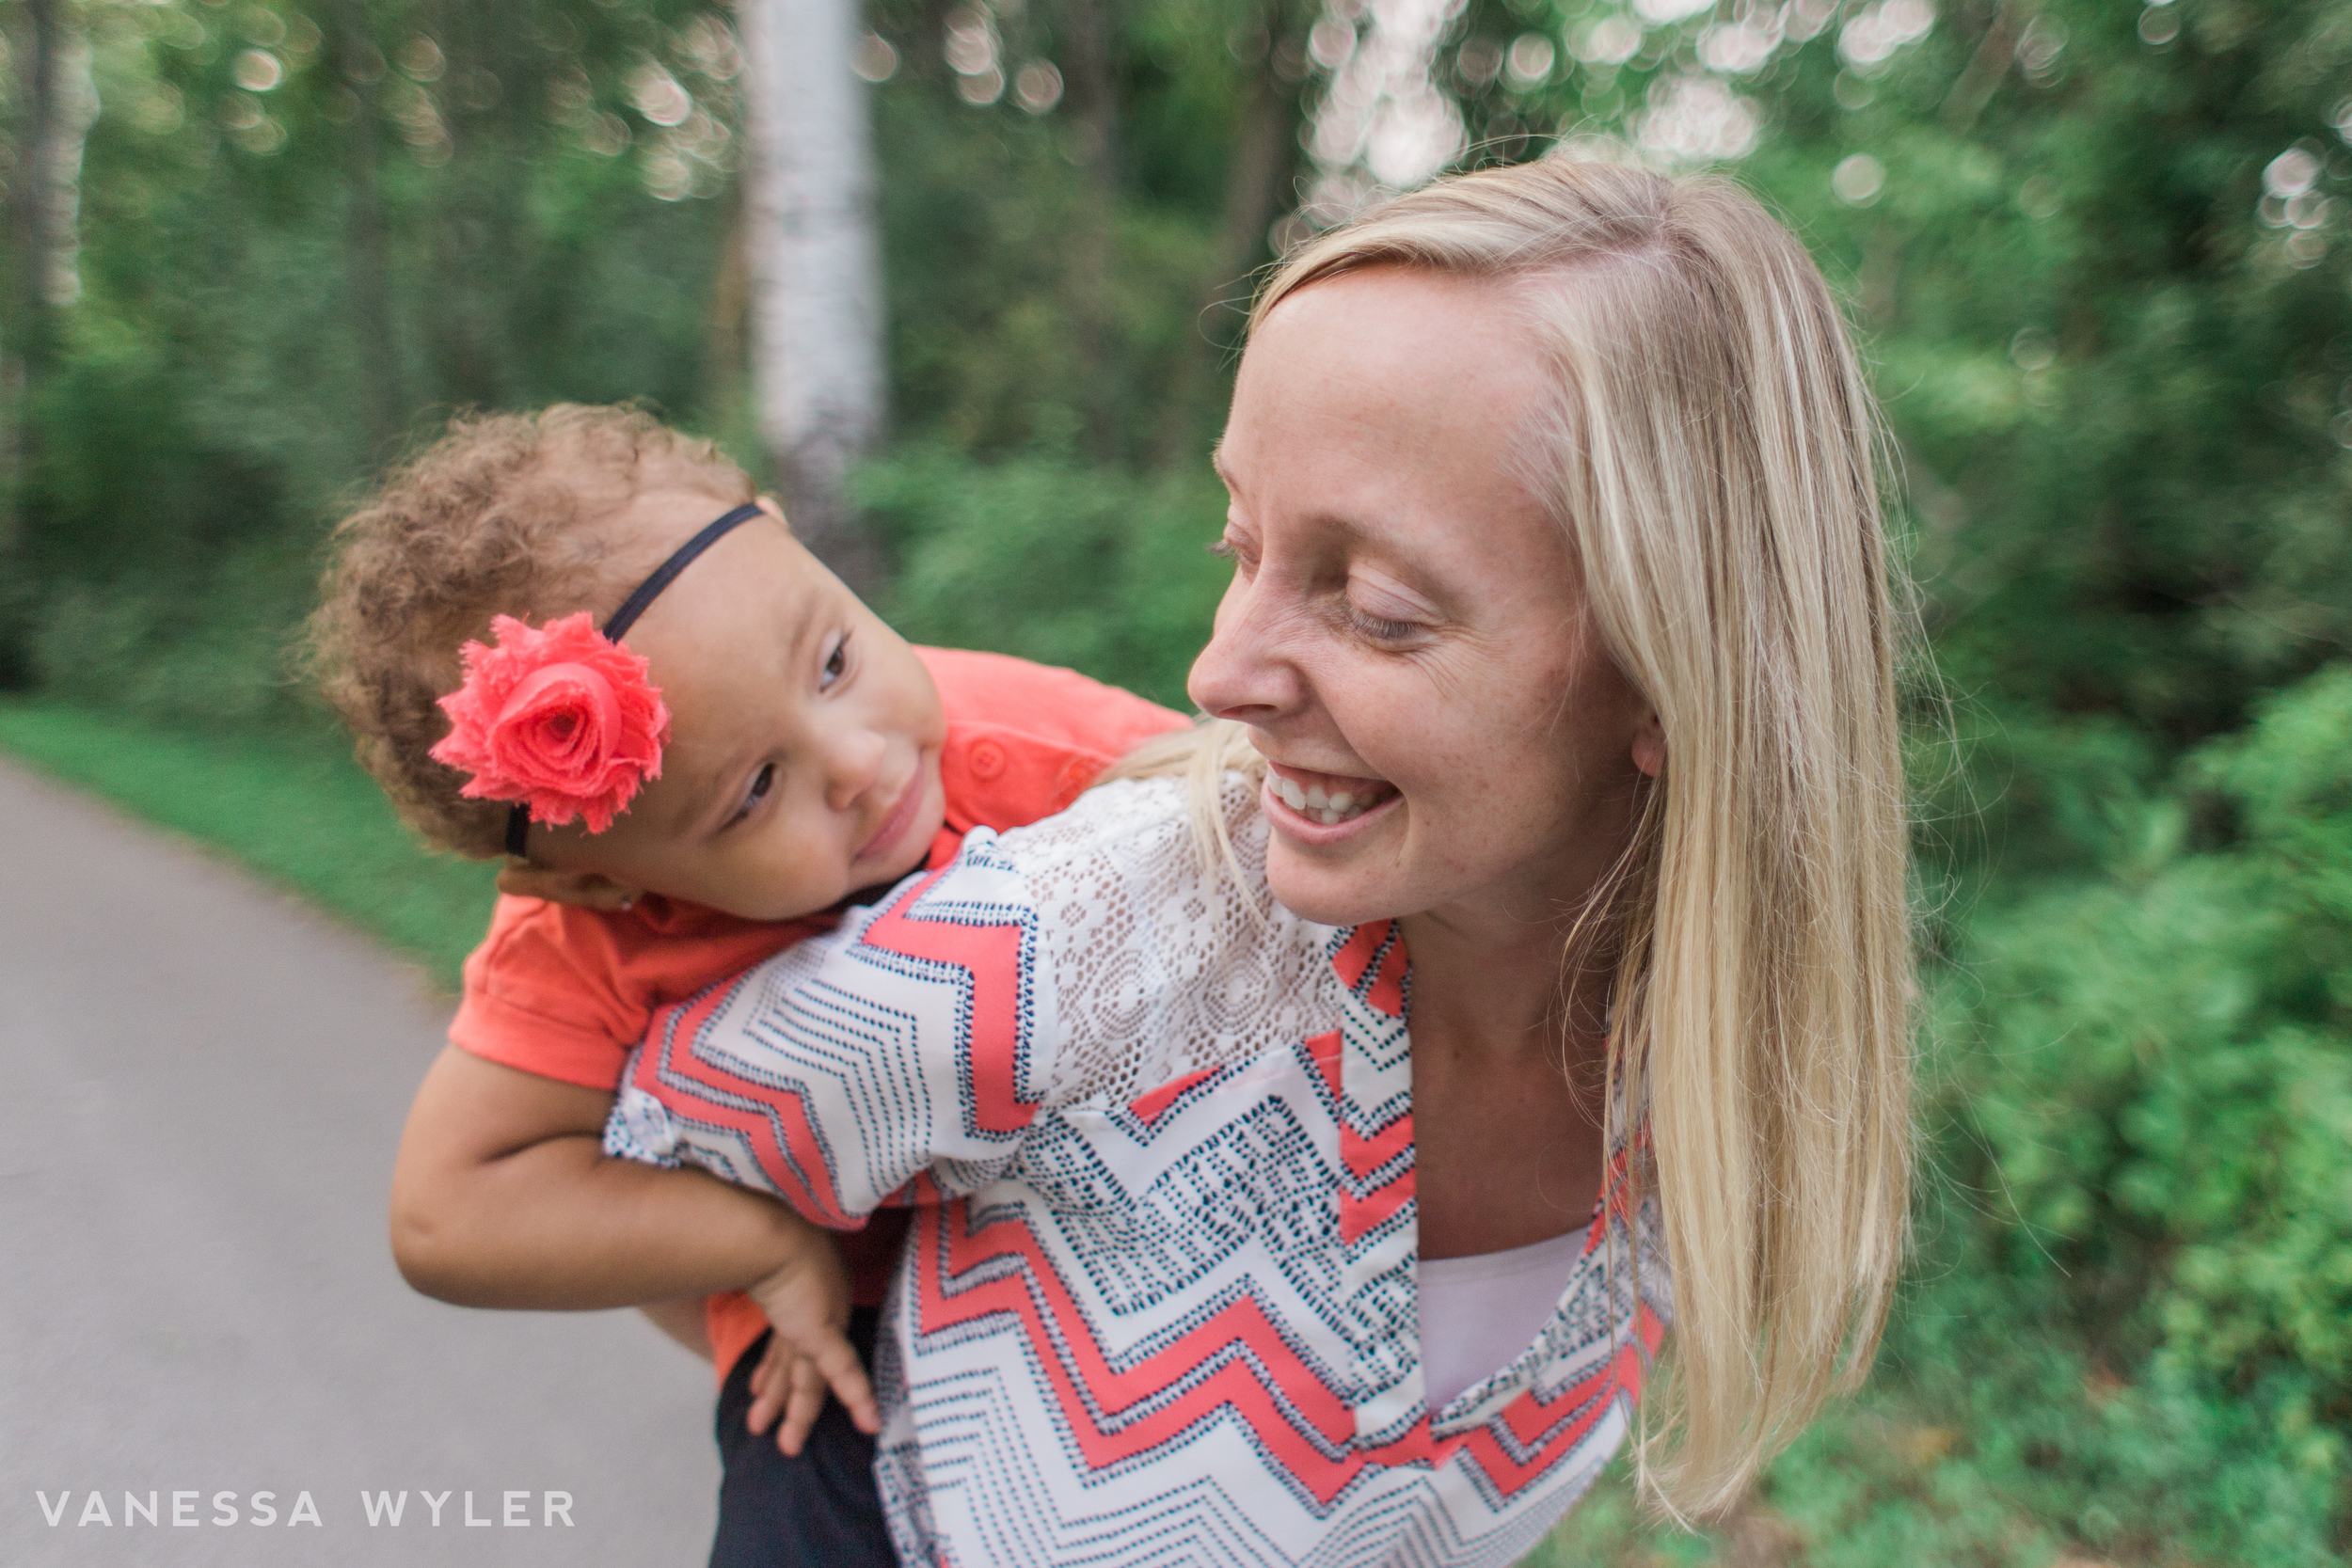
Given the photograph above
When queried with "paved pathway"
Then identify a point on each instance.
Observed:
(201, 1087)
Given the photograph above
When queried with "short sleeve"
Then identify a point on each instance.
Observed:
(540, 997)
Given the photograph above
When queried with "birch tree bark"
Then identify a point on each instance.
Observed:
(817, 307)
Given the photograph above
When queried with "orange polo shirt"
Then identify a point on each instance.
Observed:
(567, 992)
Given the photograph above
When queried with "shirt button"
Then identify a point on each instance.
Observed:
(988, 760)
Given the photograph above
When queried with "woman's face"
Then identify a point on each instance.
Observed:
(1405, 634)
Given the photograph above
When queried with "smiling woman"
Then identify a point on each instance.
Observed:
(1317, 1182)
(1404, 627)
(1555, 511)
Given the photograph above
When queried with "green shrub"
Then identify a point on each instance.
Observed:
(1090, 567)
(192, 652)
(2144, 1089)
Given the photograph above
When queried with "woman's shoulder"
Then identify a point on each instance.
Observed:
(1139, 824)
(1160, 949)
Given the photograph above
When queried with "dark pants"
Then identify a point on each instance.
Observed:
(819, 1511)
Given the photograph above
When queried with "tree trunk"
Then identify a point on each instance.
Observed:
(725, 347)
(815, 282)
(477, 243)
(60, 103)
(34, 220)
(360, 66)
(1094, 123)
(1257, 189)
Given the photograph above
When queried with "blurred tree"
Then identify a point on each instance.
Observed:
(57, 105)
(304, 228)
(2096, 251)
(815, 274)
(353, 57)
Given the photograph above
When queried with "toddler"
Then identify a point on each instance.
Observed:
(576, 639)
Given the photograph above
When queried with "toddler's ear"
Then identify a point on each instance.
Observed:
(588, 889)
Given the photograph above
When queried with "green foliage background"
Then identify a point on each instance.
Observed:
(2116, 372)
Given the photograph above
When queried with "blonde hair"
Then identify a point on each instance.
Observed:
(502, 514)
(1713, 456)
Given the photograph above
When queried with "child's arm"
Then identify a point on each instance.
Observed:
(501, 1198)
(685, 1321)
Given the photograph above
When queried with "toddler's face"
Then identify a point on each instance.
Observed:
(804, 754)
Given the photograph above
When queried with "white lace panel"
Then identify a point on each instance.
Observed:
(1161, 963)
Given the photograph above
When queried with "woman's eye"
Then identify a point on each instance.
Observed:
(1380, 629)
(762, 782)
(1222, 549)
(837, 664)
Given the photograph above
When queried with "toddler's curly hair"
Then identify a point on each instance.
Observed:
(502, 514)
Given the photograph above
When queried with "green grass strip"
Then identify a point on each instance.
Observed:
(293, 807)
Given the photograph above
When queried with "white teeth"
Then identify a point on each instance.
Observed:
(1329, 807)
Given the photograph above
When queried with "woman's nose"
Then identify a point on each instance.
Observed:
(854, 764)
(1242, 674)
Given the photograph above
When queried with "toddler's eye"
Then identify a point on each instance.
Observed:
(837, 664)
(762, 782)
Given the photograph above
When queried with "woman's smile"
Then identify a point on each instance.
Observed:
(1298, 799)
(1404, 607)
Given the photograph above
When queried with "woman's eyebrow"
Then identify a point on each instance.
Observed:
(1217, 461)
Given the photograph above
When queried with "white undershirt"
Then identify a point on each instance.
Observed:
(1479, 1313)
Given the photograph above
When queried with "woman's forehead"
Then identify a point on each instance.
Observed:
(1392, 347)
(1390, 384)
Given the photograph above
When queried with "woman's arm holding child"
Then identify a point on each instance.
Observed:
(501, 1198)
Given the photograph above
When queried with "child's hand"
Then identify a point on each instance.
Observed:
(807, 1303)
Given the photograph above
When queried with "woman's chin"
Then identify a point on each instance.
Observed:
(1326, 895)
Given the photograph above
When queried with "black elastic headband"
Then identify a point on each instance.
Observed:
(518, 814)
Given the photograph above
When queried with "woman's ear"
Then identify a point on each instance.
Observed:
(1650, 745)
(587, 890)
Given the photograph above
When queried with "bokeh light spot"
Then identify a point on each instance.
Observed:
(1858, 180)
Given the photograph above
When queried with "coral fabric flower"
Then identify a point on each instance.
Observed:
(562, 719)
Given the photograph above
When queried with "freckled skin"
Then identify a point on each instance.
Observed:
(1402, 610)
(743, 646)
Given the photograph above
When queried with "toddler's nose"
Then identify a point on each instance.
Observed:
(853, 764)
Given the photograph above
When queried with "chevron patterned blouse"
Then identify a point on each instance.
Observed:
(1158, 1305)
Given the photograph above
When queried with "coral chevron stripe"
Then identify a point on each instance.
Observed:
(1150, 1107)
(991, 957)
(1367, 1152)
(1372, 965)
(772, 1120)
(1361, 1216)
(1086, 1382)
